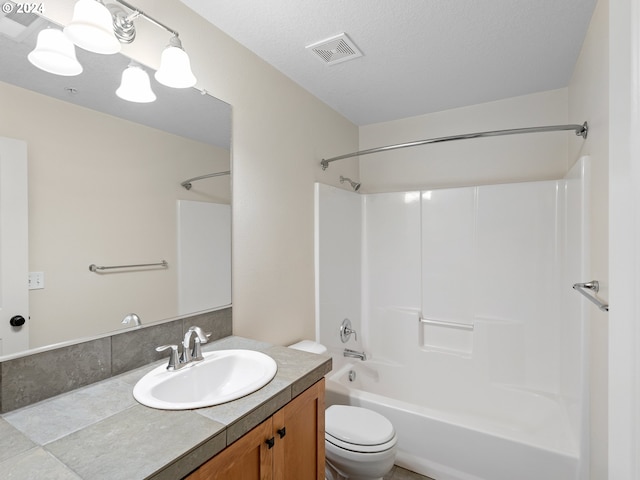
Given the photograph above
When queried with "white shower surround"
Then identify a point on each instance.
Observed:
(505, 400)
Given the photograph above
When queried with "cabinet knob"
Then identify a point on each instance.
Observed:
(270, 442)
(17, 321)
(282, 432)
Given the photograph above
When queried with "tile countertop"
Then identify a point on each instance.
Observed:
(102, 432)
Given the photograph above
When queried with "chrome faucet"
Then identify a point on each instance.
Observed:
(188, 355)
(195, 354)
(355, 354)
(132, 319)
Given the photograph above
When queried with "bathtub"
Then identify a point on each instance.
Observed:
(462, 432)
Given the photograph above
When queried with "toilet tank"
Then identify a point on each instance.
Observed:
(309, 346)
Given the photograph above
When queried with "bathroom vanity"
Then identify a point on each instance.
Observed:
(288, 445)
(101, 432)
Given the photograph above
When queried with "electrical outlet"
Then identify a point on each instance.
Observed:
(36, 280)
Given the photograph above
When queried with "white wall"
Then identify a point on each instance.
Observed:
(624, 211)
(204, 256)
(338, 253)
(490, 256)
(391, 274)
(589, 99)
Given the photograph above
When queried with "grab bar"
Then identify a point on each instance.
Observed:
(594, 286)
(445, 323)
(94, 268)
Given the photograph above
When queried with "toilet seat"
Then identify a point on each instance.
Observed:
(358, 429)
(352, 447)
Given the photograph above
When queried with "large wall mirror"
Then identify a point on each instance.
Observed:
(104, 188)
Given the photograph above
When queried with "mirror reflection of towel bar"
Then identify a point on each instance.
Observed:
(444, 323)
(94, 268)
(594, 286)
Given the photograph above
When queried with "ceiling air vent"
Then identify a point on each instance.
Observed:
(335, 49)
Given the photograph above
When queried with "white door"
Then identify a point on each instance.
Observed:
(14, 249)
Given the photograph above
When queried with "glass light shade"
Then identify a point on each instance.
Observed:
(175, 68)
(92, 28)
(135, 86)
(55, 53)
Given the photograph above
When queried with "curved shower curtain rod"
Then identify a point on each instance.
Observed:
(187, 183)
(581, 130)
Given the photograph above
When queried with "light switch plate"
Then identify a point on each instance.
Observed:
(36, 280)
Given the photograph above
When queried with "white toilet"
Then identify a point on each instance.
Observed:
(360, 443)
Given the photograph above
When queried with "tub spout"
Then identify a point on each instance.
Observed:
(355, 354)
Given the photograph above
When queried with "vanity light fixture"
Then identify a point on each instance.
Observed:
(135, 85)
(175, 67)
(91, 28)
(55, 53)
(101, 28)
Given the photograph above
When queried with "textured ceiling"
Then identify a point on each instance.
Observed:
(420, 56)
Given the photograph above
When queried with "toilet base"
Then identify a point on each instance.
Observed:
(331, 473)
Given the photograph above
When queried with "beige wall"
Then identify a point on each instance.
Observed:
(102, 190)
(588, 98)
(280, 134)
(540, 156)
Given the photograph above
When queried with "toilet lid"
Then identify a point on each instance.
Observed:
(357, 425)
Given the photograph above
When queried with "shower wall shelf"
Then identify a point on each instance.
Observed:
(580, 130)
(593, 286)
(95, 268)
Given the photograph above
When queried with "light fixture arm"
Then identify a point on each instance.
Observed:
(175, 42)
(133, 16)
(139, 13)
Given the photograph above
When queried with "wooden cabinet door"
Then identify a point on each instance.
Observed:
(296, 451)
(300, 452)
(248, 458)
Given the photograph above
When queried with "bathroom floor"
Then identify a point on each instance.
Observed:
(398, 473)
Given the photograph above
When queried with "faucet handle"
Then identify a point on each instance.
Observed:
(173, 357)
(346, 331)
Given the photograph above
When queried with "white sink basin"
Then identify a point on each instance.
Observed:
(222, 376)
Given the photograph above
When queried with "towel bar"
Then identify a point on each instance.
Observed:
(94, 268)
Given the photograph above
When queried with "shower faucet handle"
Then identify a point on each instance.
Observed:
(346, 331)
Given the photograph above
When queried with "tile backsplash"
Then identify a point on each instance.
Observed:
(35, 377)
